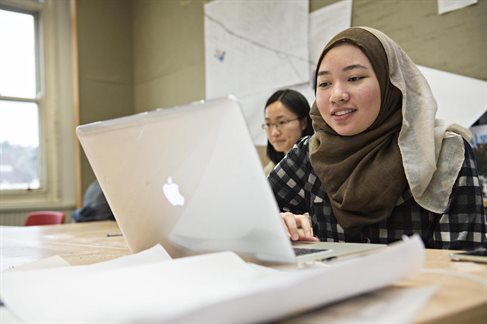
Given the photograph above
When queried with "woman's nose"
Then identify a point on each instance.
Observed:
(339, 94)
(275, 130)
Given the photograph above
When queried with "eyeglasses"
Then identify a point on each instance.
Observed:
(279, 125)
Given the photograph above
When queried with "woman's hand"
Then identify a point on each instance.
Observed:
(299, 227)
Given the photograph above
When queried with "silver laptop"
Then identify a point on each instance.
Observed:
(189, 178)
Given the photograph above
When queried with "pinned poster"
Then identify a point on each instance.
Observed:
(460, 99)
(325, 23)
(445, 6)
(254, 45)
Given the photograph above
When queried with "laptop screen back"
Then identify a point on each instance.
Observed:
(187, 177)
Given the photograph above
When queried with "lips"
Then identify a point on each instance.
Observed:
(279, 142)
(343, 112)
(342, 115)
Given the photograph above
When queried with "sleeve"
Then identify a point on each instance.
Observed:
(288, 179)
(463, 225)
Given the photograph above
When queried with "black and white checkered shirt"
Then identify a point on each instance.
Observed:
(462, 226)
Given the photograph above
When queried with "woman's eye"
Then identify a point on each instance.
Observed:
(355, 78)
(282, 122)
(323, 84)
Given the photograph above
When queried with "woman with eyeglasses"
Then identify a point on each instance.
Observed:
(380, 166)
(286, 122)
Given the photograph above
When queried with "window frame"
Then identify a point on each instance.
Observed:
(55, 106)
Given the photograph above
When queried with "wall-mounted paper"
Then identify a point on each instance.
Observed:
(445, 6)
(325, 23)
(254, 45)
(460, 99)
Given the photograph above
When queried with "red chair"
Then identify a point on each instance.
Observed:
(44, 218)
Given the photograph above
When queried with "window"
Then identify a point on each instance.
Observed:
(36, 105)
(19, 105)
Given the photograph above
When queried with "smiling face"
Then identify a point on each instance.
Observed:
(289, 130)
(347, 90)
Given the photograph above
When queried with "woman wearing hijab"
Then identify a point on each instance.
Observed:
(379, 165)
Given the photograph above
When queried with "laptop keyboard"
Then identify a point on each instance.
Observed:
(304, 251)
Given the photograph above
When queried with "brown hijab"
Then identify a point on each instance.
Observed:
(363, 174)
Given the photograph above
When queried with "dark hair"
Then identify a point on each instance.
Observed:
(295, 102)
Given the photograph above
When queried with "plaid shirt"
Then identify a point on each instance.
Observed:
(462, 226)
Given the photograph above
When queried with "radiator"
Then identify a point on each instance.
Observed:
(17, 217)
(13, 218)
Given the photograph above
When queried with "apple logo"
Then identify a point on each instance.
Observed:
(171, 191)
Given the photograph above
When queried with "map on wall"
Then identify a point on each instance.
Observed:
(325, 23)
(245, 53)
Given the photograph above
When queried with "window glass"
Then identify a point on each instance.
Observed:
(19, 145)
(36, 105)
(18, 55)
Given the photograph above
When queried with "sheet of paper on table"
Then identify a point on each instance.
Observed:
(217, 287)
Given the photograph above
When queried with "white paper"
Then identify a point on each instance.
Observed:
(254, 45)
(217, 287)
(14, 262)
(309, 288)
(155, 254)
(325, 23)
(460, 99)
(6, 317)
(445, 6)
(50, 262)
(388, 305)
